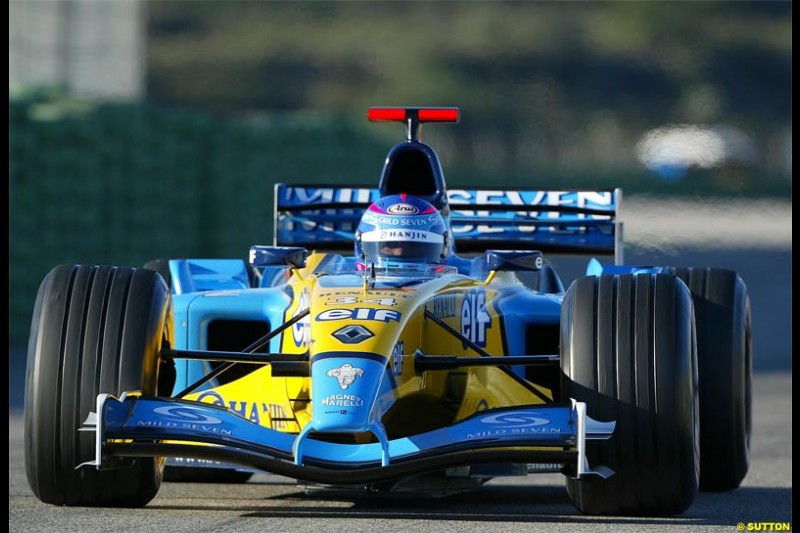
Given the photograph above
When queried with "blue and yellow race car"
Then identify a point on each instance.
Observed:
(400, 337)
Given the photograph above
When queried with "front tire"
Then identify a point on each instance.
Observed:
(628, 351)
(95, 329)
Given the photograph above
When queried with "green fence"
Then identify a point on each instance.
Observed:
(122, 184)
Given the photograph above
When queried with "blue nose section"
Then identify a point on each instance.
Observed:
(349, 394)
(344, 391)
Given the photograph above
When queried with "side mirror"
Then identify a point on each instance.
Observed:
(513, 260)
(291, 256)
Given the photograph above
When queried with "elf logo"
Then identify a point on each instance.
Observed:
(300, 330)
(360, 313)
(475, 319)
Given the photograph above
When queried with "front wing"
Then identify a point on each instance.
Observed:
(143, 426)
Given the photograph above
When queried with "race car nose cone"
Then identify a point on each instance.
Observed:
(344, 391)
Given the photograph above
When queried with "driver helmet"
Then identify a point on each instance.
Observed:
(401, 231)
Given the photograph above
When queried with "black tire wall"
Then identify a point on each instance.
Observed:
(95, 329)
(628, 351)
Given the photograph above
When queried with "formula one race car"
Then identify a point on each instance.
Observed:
(417, 360)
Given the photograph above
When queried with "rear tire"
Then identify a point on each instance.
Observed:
(628, 351)
(95, 329)
(162, 267)
(725, 362)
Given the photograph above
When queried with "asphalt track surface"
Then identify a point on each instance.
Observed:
(756, 243)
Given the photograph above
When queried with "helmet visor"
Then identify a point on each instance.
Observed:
(422, 252)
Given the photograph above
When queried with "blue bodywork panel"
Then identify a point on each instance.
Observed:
(595, 268)
(216, 294)
(195, 275)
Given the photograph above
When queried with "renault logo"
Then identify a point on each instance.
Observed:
(352, 334)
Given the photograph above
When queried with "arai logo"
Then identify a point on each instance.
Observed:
(402, 209)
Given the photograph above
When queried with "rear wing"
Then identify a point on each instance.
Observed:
(568, 222)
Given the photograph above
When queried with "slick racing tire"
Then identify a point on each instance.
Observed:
(725, 362)
(95, 329)
(628, 352)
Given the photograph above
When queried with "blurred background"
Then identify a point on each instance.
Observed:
(141, 130)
